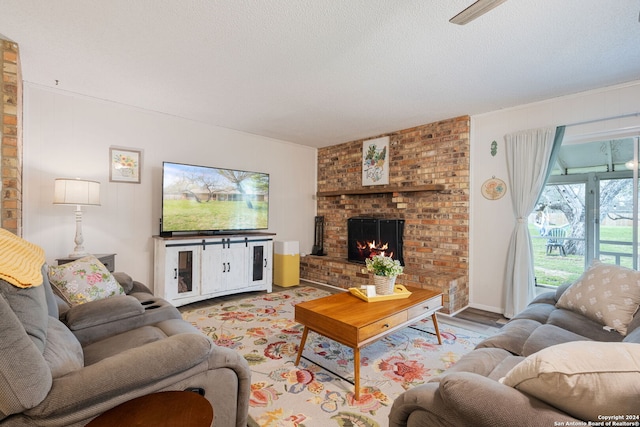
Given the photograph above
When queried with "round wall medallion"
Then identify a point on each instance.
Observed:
(494, 188)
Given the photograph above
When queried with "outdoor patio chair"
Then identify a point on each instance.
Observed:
(555, 240)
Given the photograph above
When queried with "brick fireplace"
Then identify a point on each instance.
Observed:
(428, 189)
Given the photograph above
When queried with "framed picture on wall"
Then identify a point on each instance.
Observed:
(124, 165)
(375, 161)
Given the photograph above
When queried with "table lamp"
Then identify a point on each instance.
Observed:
(77, 192)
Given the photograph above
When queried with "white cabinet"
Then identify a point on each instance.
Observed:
(189, 269)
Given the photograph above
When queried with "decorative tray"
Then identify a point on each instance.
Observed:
(399, 292)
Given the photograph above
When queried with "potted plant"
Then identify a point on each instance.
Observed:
(385, 270)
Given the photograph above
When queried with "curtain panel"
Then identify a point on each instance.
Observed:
(530, 158)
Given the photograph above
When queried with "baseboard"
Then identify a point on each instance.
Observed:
(489, 308)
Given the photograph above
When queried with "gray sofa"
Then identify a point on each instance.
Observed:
(551, 364)
(63, 365)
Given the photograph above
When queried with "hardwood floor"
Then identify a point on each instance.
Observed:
(487, 318)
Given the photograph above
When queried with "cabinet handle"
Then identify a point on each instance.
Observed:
(228, 266)
(175, 273)
(224, 267)
(426, 307)
(265, 263)
(386, 325)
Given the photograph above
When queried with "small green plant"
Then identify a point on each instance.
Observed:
(381, 265)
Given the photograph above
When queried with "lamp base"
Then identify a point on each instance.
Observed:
(78, 250)
(78, 254)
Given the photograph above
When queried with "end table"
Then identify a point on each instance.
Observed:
(109, 260)
(163, 409)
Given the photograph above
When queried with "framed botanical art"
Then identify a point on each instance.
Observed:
(124, 165)
(375, 161)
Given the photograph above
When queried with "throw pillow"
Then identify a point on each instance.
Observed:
(607, 294)
(83, 280)
(585, 379)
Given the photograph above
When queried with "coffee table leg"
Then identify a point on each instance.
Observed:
(356, 372)
(302, 342)
(435, 325)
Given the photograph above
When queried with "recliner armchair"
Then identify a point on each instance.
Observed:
(64, 365)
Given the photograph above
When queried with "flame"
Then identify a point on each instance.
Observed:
(371, 249)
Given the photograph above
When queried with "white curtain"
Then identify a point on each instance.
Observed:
(530, 156)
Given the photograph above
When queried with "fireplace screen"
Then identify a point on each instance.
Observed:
(372, 236)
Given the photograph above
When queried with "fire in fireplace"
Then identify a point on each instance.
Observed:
(368, 237)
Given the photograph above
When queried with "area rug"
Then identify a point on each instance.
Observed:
(319, 392)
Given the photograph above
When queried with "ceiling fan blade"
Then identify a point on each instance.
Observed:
(479, 8)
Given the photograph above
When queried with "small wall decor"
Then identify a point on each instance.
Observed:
(124, 165)
(494, 188)
(375, 161)
(494, 148)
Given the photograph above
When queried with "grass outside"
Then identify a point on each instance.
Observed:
(555, 270)
(190, 215)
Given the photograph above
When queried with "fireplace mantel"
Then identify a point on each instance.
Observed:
(382, 190)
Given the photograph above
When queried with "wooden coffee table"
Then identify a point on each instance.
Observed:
(355, 323)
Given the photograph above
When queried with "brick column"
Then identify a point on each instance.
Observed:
(11, 134)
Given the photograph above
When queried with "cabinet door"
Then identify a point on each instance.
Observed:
(235, 266)
(212, 269)
(260, 263)
(182, 273)
(223, 267)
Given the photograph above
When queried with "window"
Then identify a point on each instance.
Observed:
(588, 210)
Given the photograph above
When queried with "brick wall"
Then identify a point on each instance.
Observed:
(11, 138)
(436, 237)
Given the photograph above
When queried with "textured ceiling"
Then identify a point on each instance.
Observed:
(323, 72)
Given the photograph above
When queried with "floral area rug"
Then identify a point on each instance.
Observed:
(319, 392)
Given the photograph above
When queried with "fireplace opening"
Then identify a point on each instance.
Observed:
(368, 237)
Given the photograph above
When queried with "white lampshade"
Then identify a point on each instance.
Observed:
(76, 192)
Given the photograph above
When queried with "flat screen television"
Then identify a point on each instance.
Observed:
(210, 200)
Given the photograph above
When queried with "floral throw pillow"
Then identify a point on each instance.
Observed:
(83, 280)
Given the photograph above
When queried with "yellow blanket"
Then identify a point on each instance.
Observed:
(20, 261)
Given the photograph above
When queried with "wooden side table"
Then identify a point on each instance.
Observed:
(163, 409)
(109, 260)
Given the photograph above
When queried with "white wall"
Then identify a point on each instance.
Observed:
(491, 222)
(67, 135)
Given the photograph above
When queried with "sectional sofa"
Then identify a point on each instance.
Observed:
(572, 357)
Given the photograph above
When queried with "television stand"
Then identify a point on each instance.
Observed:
(194, 268)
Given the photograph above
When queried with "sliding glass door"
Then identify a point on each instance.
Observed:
(618, 226)
(588, 210)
